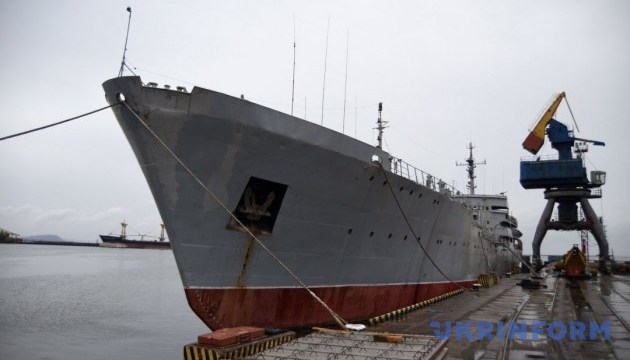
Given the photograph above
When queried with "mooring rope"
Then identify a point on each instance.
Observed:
(338, 319)
(58, 123)
(483, 251)
(426, 253)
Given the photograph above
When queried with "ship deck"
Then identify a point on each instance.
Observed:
(605, 298)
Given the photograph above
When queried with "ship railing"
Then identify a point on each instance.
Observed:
(408, 171)
(540, 158)
(544, 158)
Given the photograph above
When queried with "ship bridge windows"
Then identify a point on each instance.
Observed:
(259, 206)
(500, 208)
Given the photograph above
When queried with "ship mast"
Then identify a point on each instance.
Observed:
(122, 63)
(470, 169)
(162, 237)
(123, 229)
(380, 126)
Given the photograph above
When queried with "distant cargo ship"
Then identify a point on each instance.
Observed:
(124, 241)
(364, 231)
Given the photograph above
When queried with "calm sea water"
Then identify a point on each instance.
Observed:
(65, 302)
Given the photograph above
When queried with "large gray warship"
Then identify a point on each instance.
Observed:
(364, 231)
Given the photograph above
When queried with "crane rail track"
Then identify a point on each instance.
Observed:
(614, 311)
(504, 351)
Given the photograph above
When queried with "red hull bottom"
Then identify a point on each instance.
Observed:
(295, 308)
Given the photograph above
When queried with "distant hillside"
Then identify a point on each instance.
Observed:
(43, 238)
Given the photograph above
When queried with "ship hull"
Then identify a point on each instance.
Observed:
(369, 241)
(285, 307)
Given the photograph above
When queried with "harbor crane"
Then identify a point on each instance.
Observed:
(565, 181)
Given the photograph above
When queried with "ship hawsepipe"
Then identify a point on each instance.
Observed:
(314, 197)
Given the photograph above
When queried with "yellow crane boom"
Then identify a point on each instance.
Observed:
(536, 137)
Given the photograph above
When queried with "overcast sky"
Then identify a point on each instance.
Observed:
(448, 73)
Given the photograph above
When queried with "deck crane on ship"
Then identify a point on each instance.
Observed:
(565, 182)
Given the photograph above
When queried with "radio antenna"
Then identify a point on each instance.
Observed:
(325, 61)
(345, 85)
(293, 86)
(122, 63)
(355, 115)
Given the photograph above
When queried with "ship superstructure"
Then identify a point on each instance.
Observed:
(492, 215)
